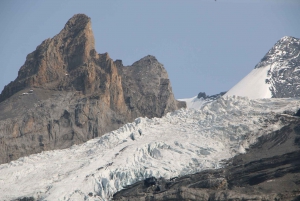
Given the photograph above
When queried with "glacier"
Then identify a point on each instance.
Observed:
(182, 142)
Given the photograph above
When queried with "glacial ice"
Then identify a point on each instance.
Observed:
(182, 142)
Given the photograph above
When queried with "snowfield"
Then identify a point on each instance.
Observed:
(182, 142)
(254, 85)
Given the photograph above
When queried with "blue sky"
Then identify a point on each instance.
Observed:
(205, 45)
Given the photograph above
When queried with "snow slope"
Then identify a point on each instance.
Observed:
(182, 142)
(276, 75)
(253, 86)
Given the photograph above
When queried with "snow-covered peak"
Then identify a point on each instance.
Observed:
(286, 50)
(182, 142)
(277, 75)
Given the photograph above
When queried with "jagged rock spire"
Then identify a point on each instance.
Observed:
(56, 57)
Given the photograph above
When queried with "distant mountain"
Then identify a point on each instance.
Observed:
(66, 93)
(277, 75)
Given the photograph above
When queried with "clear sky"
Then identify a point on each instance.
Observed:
(205, 45)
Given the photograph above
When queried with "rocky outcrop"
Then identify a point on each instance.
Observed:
(66, 93)
(147, 88)
(212, 97)
(283, 61)
(70, 51)
(270, 170)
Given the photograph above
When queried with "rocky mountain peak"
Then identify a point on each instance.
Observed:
(151, 63)
(66, 93)
(276, 75)
(144, 60)
(283, 64)
(78, 21)
(287, 48)
(56, 58)
(76, 34)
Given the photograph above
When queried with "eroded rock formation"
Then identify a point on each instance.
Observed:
(66, 93)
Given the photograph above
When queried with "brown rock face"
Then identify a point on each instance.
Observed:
(54, 58)
(66, 93)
